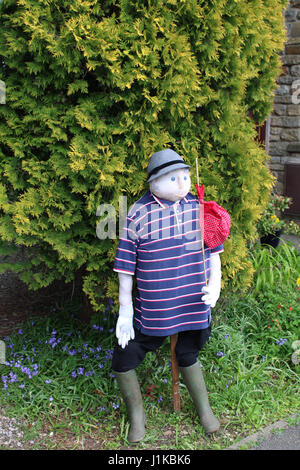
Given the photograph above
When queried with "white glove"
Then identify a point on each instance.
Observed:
(124, 328)
(212, 291)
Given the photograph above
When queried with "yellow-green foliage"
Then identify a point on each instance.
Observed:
(94, 88)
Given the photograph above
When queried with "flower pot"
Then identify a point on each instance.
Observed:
(271, 239)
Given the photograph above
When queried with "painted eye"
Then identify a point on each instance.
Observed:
(173, 178)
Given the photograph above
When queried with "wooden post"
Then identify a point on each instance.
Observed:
(175, 374)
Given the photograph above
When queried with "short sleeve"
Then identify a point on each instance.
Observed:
(125, 260)
(218, 249)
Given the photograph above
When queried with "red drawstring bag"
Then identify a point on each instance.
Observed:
(216, 221)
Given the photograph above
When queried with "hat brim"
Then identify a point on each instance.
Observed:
(168, 169)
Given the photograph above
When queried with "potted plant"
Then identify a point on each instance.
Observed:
(270, 226)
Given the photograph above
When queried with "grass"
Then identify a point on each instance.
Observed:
(58, 373)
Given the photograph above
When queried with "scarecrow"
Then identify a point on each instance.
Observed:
(178, 280)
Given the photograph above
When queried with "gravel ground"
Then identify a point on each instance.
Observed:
(10, 435)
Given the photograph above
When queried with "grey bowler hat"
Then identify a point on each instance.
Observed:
(163, 162)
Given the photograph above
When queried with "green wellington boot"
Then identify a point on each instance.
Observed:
(132, 396)
(193, 379)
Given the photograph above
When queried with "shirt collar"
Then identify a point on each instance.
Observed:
(164, 203)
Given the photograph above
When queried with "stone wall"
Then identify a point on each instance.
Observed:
(283, 126)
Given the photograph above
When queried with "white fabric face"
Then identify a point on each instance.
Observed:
(172, 186)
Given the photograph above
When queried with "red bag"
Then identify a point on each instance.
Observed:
(216, 221)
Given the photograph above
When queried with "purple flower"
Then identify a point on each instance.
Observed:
(281, 341)
(13, 377)
(220, 354)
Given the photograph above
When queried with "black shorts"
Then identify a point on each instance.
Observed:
(189, 343)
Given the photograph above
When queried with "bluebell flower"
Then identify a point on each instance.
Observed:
(281, 341)
(13, 377)
(220, 354)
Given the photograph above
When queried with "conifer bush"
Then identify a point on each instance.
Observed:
(94, 88)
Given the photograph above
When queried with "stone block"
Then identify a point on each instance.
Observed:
(275, 130)
(282, 90)
(286, 99)
(290, 59)
(293, 41)
(274, 137)
(285, 121)
(275, 160)
(280, 109)
(292, 49)
(295, 30)
(278, 148)
(294, 147)
(293, 110)
(290, 135)
(295, 71)
(289, 159)
(276, 167)
(290, 14)
(288, 79)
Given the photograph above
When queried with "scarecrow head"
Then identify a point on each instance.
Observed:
(168, 175)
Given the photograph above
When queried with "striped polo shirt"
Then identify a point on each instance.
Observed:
(161, 243)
